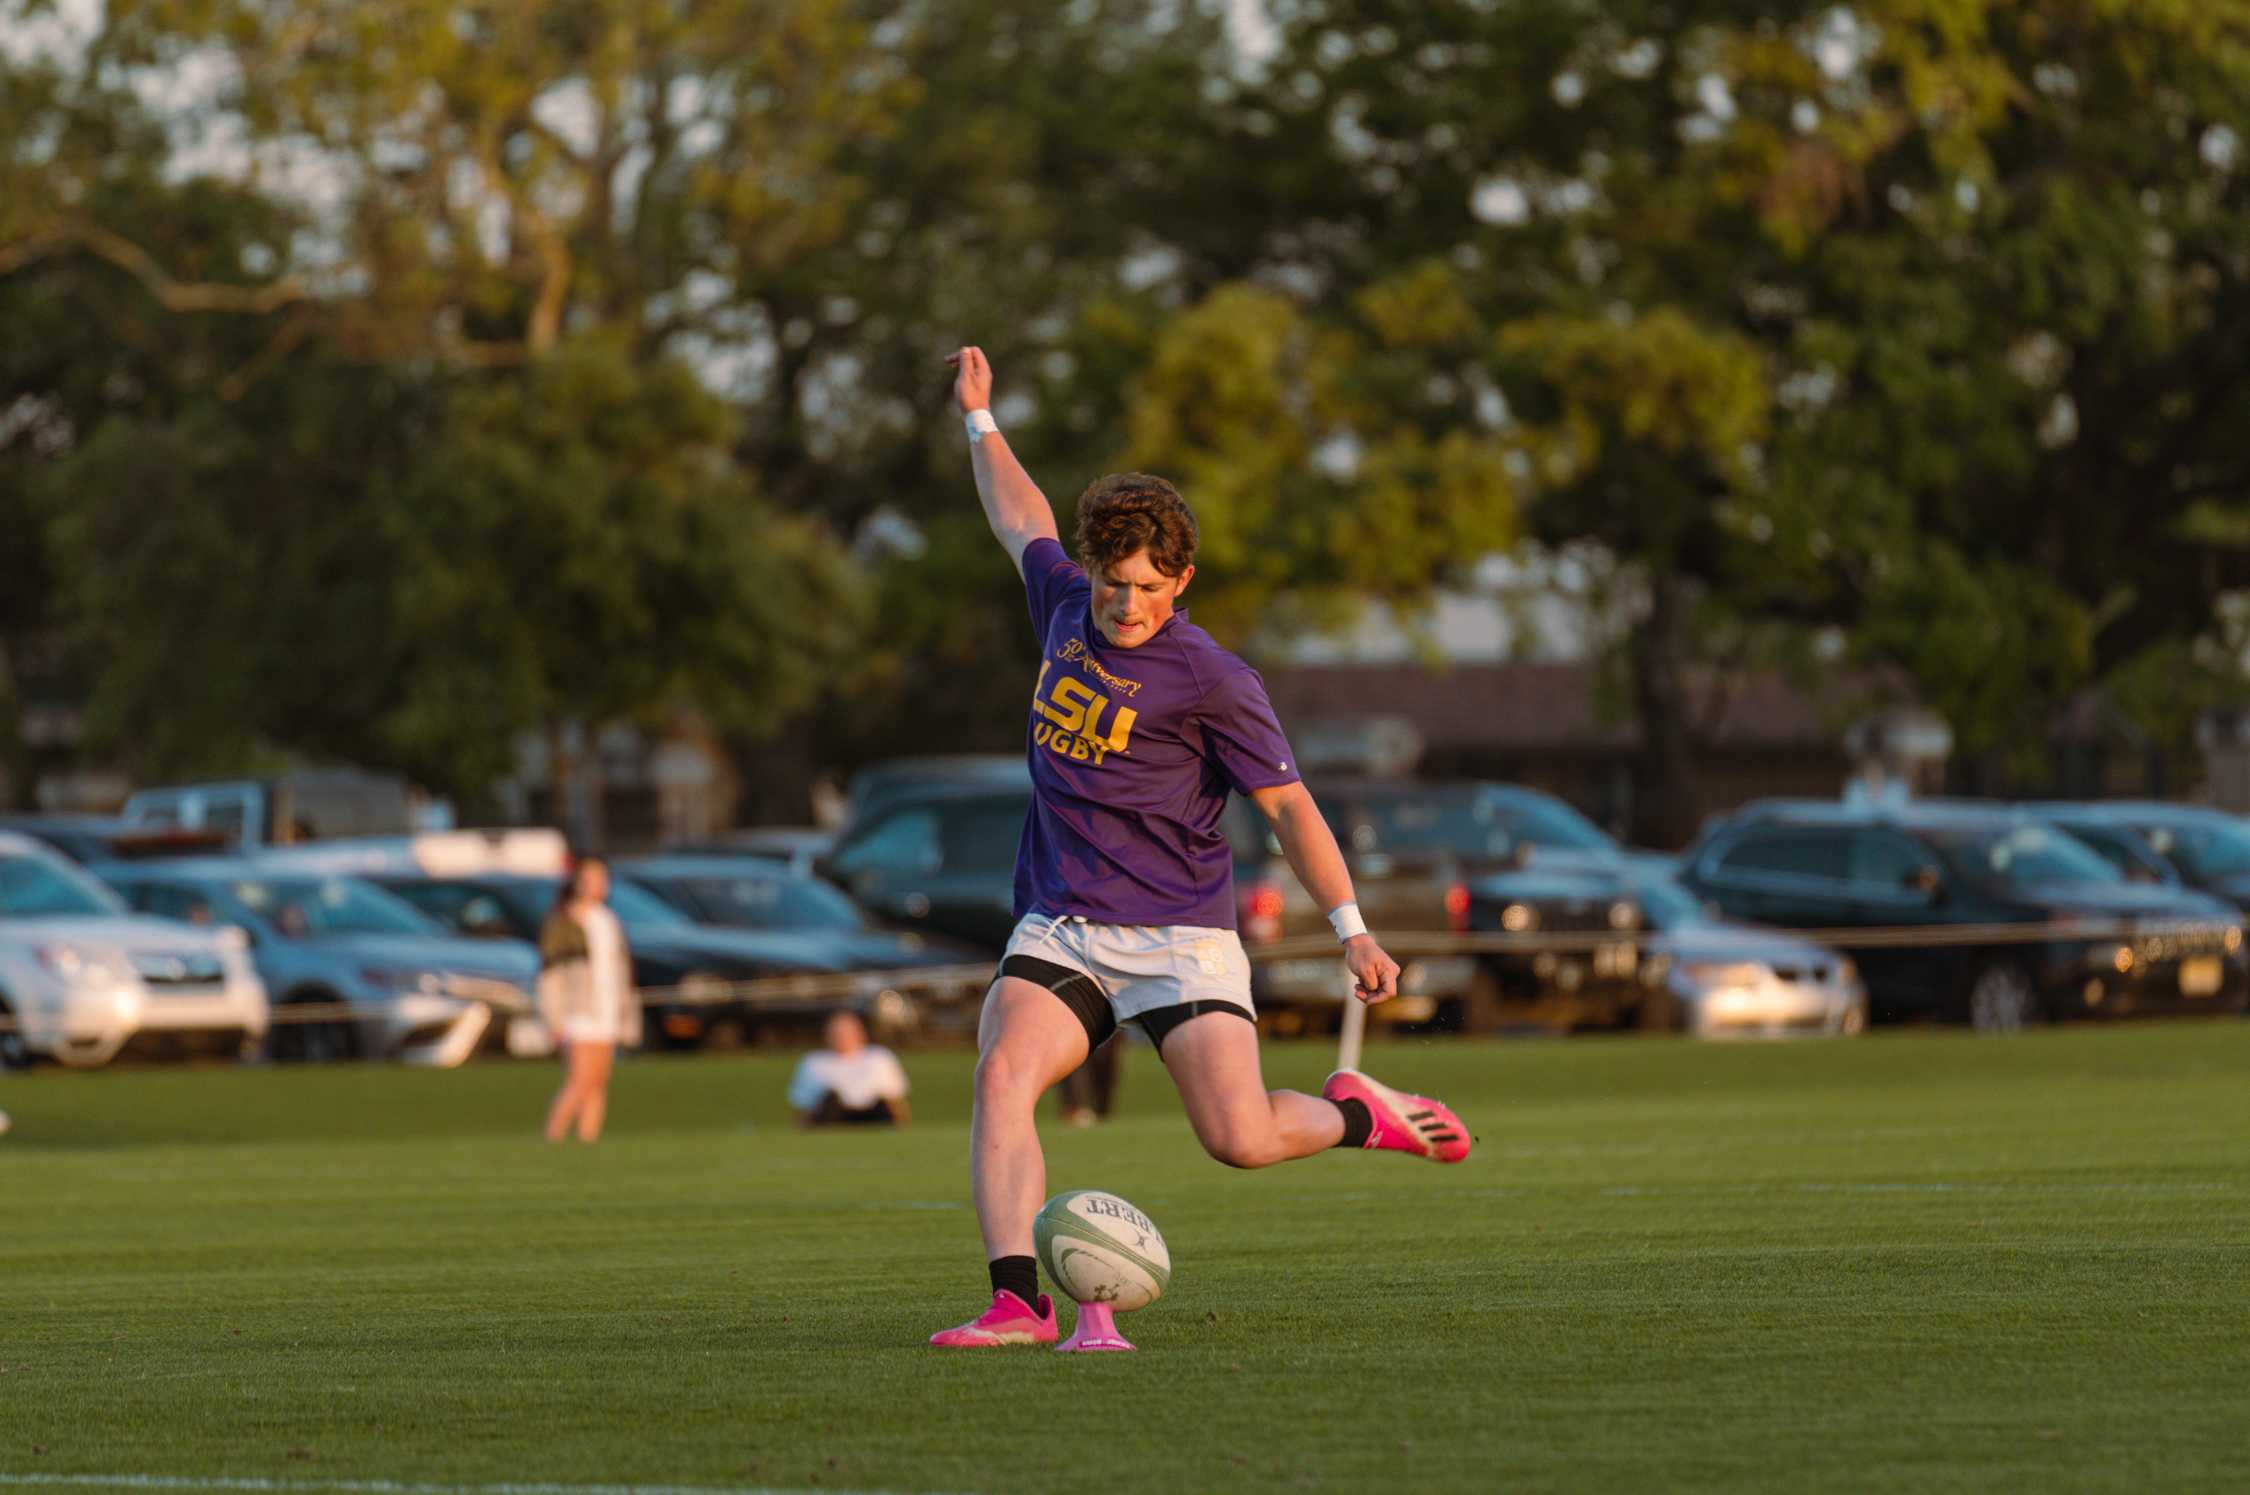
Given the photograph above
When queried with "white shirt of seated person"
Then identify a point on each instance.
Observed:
(857, 1072)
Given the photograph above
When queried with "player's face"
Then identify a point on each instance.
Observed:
(846, 1034)
(1132, 599)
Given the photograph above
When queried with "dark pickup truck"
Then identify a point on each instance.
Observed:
(1413, 848)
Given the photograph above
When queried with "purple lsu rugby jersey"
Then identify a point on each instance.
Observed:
(1133, 752)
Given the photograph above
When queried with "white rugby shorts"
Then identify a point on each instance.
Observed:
(1158, 975)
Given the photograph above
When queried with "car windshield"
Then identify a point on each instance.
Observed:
(2129, 851)
(1467, 820)
(750, 902)
(301, 907)
(1667, 905)
(638, 908)
(2022, 854)
(1434, 821)
(40, 888)
(2204, 848)
(1541, 822)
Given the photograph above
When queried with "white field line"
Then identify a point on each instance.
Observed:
(262, 1486)
(1733, 1191)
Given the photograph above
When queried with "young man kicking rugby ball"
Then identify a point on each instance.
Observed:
(1140, 726)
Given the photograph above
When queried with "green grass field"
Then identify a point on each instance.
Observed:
(1913, 1262)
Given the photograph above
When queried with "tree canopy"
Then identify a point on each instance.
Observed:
(387, 382)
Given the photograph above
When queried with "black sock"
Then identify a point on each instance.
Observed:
(1359, 1123)
(1018, 1275)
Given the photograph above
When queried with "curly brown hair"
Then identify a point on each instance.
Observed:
(1130, 511)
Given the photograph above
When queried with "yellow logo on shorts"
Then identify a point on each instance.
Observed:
(1211, 955)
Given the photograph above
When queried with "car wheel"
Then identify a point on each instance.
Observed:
(1482, 1009)
(312, 1042)
(15, 1050)
(1659, 1011)
(2002, 999)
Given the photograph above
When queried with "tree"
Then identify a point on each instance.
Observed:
(580, 549)
(1818, 318)
(805, 204)
(328, 491)
(115, 388)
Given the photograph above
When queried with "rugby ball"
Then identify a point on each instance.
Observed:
(1099, 1249)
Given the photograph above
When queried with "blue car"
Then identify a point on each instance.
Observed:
(371, 976)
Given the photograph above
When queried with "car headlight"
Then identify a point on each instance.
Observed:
(2234, 938)
(1723, 973)
(86, 965)
(1519, 917)
(1624, 914)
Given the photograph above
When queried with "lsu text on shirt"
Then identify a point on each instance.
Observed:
(1133, 754)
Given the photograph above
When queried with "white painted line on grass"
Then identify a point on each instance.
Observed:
(255, 1483)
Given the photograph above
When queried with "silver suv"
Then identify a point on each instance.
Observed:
(83, 978)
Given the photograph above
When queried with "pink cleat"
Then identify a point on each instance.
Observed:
(1403, 1123)
(1010, 1320)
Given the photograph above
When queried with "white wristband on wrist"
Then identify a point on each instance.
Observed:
(981, 424)
(1345, 920)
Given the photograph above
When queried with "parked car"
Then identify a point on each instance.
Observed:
(688, 974)
(796, 847)
(1592, 970)
(939, 857)
(744, 893)
(877, 787)
(413, 990)
(2197, 845)
(1411, 845)
(1416, 850)
(1652, 957)
(1899, 881)
(310, 805)
(534, 851)
(83, 978)
(1720, 979)
(87, 839)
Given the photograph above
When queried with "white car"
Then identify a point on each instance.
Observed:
(82, 978)
(1730, 980)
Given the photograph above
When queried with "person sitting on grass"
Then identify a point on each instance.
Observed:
(851, 1082)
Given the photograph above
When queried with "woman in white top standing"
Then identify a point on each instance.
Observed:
(586, 995)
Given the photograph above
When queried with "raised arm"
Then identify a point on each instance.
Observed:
(1013, 505)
